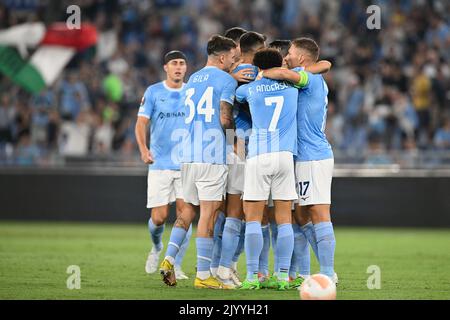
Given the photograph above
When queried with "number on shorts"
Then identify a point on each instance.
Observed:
(303, 187)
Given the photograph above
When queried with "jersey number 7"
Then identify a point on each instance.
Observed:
(279, 101)
(204, 106)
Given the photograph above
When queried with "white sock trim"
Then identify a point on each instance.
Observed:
(174, 244)
(204, 258)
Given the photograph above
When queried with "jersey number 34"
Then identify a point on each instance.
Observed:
(204, 105)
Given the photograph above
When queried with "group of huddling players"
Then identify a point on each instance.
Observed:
(269, 183)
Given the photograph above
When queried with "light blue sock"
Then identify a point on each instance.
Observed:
(230, 241)
(264, 257)
(218, 232)
(308, 230)
(326, 244)
(176, 239)
(274, 232)
(204, 253)
(253, 247)
(183, 247)
(301, 251)
(156, 233)
(240, 247)
(294, 263)
(285, 247)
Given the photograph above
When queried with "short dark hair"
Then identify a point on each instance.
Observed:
(281, 45)
(268, 58)
(235, 33)
(309, 45)
(175, 54)
(251, 40)
(217, 44)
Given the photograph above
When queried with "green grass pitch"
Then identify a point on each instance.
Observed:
(415, 264)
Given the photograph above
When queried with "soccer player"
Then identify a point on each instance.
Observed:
(160, 110)
(270, 165)
(300, 257)
(314, 160)
(209, 101)
(241, 75)
(232, 236)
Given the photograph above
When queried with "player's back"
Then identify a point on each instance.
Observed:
(204, 91)
(311, 117)
(273, 107)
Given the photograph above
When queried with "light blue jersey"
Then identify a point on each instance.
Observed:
(161, 105)
(273, 107)
(311, 118)
(242, 119)
(205, 90)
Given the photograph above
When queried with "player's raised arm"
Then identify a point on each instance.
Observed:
(140, 131)
(281, 74)
(322, 66)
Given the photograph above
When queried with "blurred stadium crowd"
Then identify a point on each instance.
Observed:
(389, 88)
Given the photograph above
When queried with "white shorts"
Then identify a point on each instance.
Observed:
(314, 181)
(270, 173)
(236, 174)
(203, 181)
(163, 187)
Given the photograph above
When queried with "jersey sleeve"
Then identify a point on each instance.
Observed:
(241, 94)
(229, 91)
(147, 105)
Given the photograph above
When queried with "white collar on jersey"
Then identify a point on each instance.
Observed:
(173, 89)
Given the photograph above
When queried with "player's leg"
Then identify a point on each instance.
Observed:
(285, 239)
(230, 238)
(326, 242)
(253, 241)
(303, 218)
(159, 195)
(239, 248)
(218, 234)
(182, 224)
(264, 257)
(283, 193)
(318, 198)
(271, 282)
(234, 229)
(258, 173)
(180, 275)
(177, 236)
(211, 183)
(156, 224)
(273, 235)
(300, 258)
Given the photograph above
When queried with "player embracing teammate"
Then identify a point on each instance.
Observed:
(287, 157)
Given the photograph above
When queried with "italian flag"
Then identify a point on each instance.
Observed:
(54, 47)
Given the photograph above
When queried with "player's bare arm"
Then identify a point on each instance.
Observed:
(243, 75)
(226, 115)
(280, 74)
(322, 66)
(295, 77)
(140, 131)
